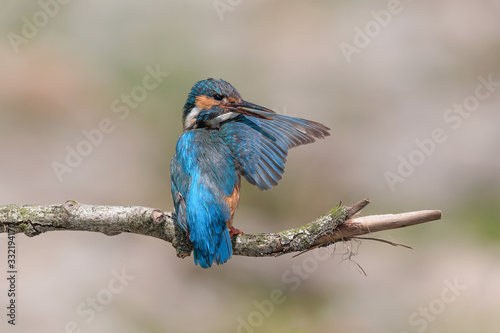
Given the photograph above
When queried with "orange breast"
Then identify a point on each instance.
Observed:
(232, 201)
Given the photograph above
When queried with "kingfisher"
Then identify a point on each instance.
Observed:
(224, 139)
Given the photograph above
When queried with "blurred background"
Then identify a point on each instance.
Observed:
(385, 76)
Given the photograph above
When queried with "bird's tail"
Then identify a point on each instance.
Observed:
(205, 257)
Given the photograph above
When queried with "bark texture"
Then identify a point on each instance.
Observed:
(336, 225)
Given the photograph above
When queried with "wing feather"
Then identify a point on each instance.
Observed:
(260, 146)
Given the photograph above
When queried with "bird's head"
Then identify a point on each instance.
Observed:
(212, 102)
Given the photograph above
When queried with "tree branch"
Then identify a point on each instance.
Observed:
(336, 225)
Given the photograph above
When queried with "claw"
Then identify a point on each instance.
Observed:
(233, 231)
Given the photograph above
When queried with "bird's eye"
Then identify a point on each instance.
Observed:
(218, 97)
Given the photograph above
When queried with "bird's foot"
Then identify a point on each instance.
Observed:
(233, 231)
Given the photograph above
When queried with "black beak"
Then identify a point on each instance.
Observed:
(246, 108)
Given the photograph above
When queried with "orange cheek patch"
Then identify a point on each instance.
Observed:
(205, 103)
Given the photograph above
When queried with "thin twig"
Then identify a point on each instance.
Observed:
(383, 241)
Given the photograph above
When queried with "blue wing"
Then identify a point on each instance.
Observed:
(260, 146)
(202, 177)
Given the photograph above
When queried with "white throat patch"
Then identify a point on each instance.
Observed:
(190, 121)
(224, 117)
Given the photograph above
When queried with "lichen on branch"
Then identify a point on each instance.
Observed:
(336, 225)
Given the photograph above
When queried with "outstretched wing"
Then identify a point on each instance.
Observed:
(260, 146)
